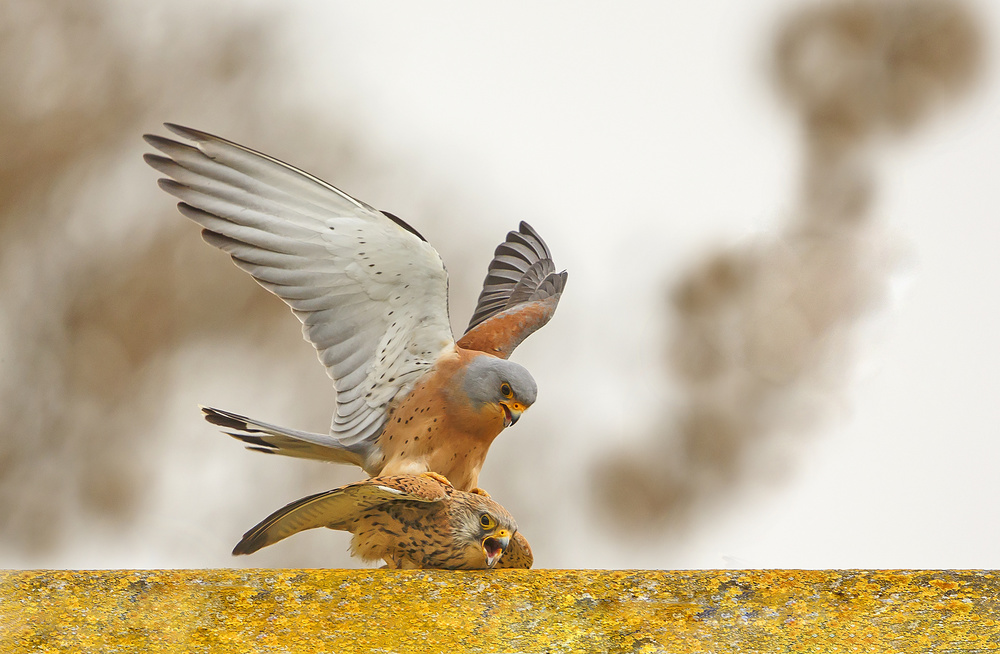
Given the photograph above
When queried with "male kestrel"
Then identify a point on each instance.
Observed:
(410, 521)
(372, 296)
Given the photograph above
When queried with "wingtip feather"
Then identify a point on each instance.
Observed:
(247, 545)
(169, 185)
(187, 132)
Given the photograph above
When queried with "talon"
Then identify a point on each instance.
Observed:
(480, 491)
(437, 477)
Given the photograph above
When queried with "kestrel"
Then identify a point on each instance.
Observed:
(372, 296)
(411, 521)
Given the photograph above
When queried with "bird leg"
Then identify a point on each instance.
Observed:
(437, 477)
(480, 491)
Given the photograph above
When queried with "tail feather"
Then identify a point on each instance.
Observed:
(272, 439)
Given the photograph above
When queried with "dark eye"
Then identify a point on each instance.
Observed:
(487, 521)
(505, 390)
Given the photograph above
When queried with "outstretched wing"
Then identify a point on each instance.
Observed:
(519, 295)
(370, 291)
(338, 508)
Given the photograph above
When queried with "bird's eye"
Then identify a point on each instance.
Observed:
(505, 390)
(487, 521)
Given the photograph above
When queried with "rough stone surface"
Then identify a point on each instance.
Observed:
(223, 611)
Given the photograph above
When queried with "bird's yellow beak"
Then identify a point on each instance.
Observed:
(511, 412)
(494, 546)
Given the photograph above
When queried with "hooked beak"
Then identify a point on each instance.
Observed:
(511, 412)
(494, 546)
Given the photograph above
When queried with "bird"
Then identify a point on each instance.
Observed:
(372, 296)
(407, 521)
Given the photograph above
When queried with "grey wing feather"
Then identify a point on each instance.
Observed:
(272, 439)
(370, 292)
(521, 271)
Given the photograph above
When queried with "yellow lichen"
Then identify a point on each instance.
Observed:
(223, 611)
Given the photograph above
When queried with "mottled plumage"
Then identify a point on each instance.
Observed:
(411, 521)
(371, 294)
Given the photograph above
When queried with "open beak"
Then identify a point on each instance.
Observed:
(494, 546)
(511, 412)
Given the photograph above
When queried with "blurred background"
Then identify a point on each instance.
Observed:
(776, 348)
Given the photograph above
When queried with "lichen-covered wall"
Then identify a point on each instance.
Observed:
(223, 611)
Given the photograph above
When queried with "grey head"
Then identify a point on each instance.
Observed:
(492, 380)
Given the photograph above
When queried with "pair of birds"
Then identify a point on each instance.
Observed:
(416, 409)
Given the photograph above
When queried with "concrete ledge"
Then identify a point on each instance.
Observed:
(223, 611)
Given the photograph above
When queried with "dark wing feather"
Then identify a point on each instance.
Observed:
(338, 507)
(520, 267)
(519, 295)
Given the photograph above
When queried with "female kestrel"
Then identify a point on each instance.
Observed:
(411, 521)
(372, 296)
